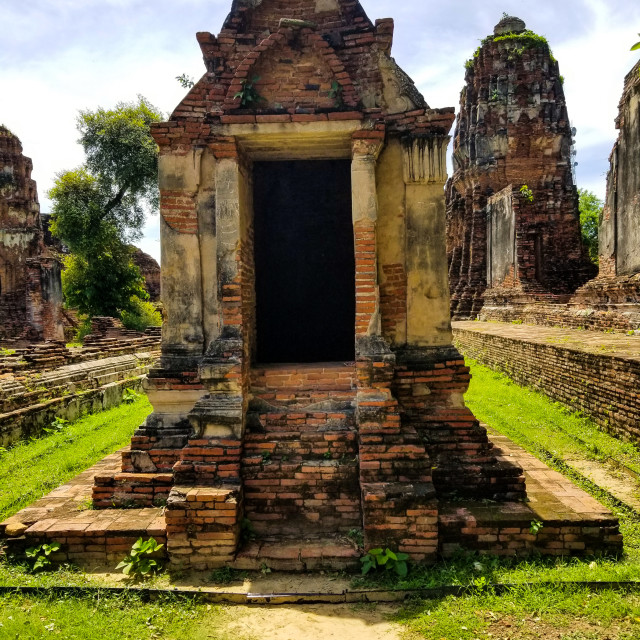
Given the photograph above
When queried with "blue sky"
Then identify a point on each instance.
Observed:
(60, 56)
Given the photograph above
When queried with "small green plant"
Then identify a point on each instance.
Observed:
(266, 457)
(495, 95)
(39, 556)
(518, 321)
(357, 537)
(391, 561)
(247, 532)
(6, 352)
(140, 562)
(85, 505)
(335, 93)
(129, 396)
(327, 455)
(526, 193)
(185, 81)
(58, 424)
(535, 527)
(636, 46)
(249, 96)
(264, 569)
(227, 575)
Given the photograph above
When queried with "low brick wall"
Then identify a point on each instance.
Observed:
(30, 421)
(605, 387)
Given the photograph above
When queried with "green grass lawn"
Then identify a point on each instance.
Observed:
(31, 469)
(106, 617)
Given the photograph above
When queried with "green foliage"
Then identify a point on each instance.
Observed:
(39, 556)
(526, 193)
(591, 208)
(129, 396)
(535, 527)
(4, 353)
(185, 81)
(391, 561)
(104, 284)
(83, 330)
(521, 41)
(227, 575)
(357, 537)
(100, 207)
(249, 96)
(143, 314)
(636, 46)
(335, 93)
(141, 562)
(56, 425)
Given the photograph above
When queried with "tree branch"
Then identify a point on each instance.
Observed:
(115, 201)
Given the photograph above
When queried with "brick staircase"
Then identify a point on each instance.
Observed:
(300, 463)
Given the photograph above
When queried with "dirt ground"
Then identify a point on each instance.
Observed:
(313, 622)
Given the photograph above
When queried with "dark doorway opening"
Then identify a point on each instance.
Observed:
(305, 263)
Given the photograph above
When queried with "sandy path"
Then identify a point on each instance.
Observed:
(313, 622)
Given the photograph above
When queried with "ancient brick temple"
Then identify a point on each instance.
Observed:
(308, 384)
(30, 287)
(513, 234)
(613, 298)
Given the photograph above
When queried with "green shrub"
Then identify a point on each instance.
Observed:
(140, 561)
(143, 315)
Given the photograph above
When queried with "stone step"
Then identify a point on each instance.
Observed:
(302, 554)
(292, 497)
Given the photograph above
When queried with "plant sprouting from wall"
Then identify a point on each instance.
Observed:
(526, 193)
(636, 46)
(335, 93)
(185, 81)
(249, 96)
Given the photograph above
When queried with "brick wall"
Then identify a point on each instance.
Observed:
(605, 387)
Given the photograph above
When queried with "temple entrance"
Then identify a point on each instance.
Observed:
(304, 261)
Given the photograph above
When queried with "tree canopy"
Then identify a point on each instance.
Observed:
(100, 207)
(590, 209)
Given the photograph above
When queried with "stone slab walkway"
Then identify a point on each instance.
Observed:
(595, 342)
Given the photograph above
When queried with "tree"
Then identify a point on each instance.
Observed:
(590, 207)
(100, 207)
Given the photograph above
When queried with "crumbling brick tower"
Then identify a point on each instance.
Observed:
(613, 298)
(30, 288)
(507, 244)
(303, 221)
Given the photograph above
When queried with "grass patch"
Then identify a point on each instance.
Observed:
(552, 433)
(108, 617)
(568, 613)
(29, 470)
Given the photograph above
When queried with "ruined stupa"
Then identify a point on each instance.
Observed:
(513, 234)
(30, 285)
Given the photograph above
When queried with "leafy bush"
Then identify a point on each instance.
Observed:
(140, 561)
(143, 314)
(129, 396)
(39, 555)
(377, 558)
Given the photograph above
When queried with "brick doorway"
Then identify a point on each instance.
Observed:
(304, 261)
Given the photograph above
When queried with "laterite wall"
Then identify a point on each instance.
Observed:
(605, 387)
